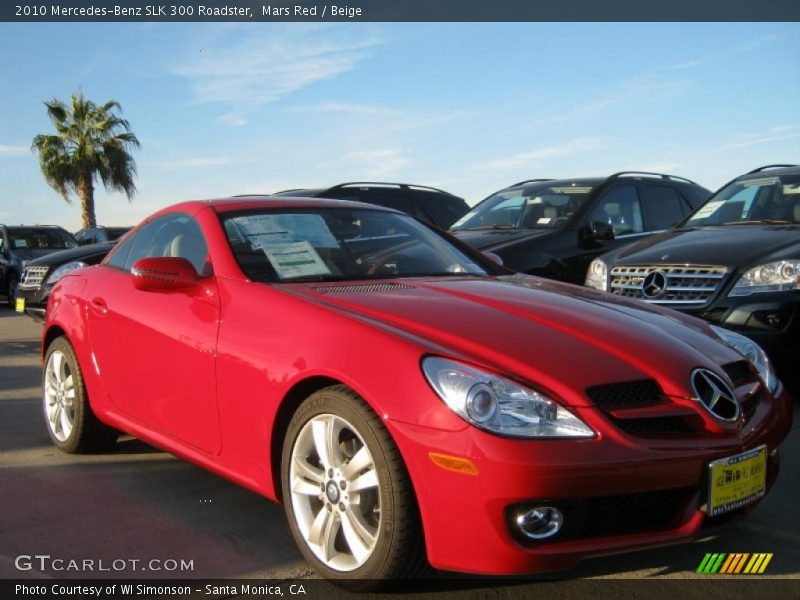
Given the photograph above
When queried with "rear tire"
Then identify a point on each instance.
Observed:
(71, 423)
(348, 497)
(13, 286)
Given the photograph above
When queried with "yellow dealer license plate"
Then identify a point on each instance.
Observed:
(736, 480)
(20, 306)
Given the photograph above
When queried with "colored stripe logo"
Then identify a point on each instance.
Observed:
(735, 563)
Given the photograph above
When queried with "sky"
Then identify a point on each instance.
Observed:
(224, 108)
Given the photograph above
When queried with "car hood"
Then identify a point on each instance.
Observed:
(562, 337)
(488, 239)
(24, 254)
(728, 246)
(81, 253)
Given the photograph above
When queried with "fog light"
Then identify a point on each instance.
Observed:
(540, 523)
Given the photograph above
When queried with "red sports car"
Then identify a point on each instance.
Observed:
(405, 397)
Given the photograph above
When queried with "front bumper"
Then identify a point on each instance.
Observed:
(466, 517)
(35, 301)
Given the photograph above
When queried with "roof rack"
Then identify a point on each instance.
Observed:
(403, 186)
(765, 167)
(651, 174)
(531, 181)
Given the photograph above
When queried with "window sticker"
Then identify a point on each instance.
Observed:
(791, 189)
(20, 243)
(571, 190)
(709, 209)
(544, 221)
(298, 259)
(760, 182)
(286, 228)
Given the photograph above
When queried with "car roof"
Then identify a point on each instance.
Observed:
(17, 227)
(373, 186)
(770, 170)
(236, 204)
(593, 181)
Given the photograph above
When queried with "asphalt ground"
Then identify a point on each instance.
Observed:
(138, 504)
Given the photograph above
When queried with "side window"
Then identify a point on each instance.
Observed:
(438, 211)
(620, 207)
(663, 207)
(176, 235)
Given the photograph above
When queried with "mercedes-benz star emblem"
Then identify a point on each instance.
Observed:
(654, 284)
(715, 395)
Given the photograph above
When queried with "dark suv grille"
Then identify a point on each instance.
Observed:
(686, 285)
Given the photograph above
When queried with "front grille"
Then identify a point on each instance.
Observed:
(629, 394)
(373, 287)
(615, 515)
(739, 372)
(614, 399)
(689, 285)
(32, 277)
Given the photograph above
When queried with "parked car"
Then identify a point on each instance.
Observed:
(41, 275)
(428, 204)
(734, 262)
(20, 244)
(555, 227)
(95, 235)
(391, 385)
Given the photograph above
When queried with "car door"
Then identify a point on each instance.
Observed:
(155, 351)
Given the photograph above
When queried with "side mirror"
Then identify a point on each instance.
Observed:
(602, 231)
(494, 258)
(164, 274)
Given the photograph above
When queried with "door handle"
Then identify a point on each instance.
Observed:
(99, 305)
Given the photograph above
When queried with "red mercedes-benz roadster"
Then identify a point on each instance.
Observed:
(405, 397)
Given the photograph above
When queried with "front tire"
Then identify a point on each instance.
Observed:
(13, 286)
(71, 423)
(348, 497)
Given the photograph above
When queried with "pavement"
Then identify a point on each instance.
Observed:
(140, 504)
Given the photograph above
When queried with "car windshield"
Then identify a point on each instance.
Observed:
(338, 244)
(40, 239)
(761, 200)
(538, 206)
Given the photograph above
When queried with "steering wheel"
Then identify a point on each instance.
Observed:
(379, 264)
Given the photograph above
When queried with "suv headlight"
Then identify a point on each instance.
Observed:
(64, 270)
(597, 275)
(752, 352)
(499, 405)
(778, 276)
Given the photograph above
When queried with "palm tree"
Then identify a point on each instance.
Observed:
(91, 142)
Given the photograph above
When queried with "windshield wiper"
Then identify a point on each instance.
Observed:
(762, 222)
(486, 227)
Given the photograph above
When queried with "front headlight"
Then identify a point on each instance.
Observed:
(778, 276)
(597, 275)
(499, 405)
(63, 270)
(752, 352)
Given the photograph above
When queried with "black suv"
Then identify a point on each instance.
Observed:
(555, 227)
(95, 235)
(18, 245)
(433, 206)
(735, 262)
(41, 275)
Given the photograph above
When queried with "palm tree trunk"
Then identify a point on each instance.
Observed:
(86, 193)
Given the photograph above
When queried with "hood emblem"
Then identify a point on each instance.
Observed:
(654, 284)
(665, 257)
(715, 395)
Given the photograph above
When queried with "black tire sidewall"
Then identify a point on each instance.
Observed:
(340, 404)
